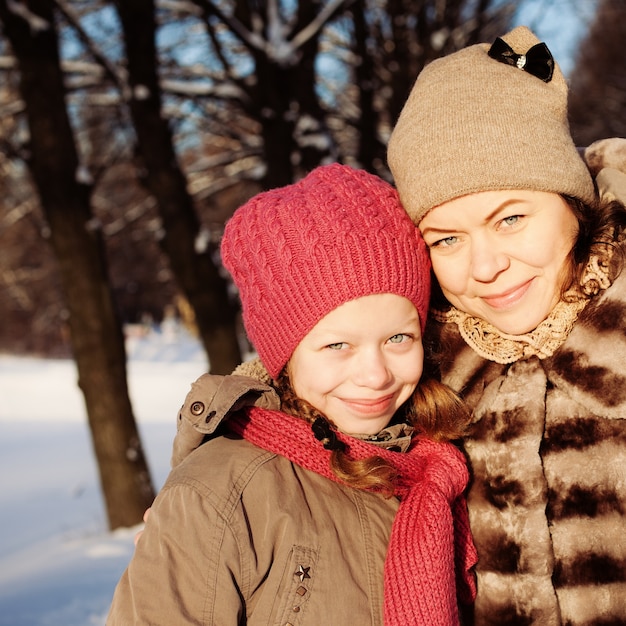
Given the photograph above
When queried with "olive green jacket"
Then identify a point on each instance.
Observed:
(239, 535)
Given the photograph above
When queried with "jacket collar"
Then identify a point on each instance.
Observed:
(214, 398)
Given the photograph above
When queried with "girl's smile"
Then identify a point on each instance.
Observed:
(361, 362)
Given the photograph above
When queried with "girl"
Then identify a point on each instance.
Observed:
(331, 495)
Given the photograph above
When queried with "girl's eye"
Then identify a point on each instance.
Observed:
(399, 338)
(336, 346)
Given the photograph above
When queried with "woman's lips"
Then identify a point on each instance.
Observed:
(508, 298)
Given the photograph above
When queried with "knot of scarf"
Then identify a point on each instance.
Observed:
(430, 556)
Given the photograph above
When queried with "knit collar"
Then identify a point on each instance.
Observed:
(492, 344)
(430, 537)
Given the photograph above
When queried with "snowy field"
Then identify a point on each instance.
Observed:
(58, 563)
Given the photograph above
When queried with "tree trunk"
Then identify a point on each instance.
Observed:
(597, 100)
(371, 152)
(95, 332)
(197, 274)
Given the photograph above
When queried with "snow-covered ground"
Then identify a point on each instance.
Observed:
(58, 563)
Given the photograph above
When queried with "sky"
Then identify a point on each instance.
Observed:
(560, 24)
(58, 562)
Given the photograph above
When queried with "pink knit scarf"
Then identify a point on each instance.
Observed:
(430, 537)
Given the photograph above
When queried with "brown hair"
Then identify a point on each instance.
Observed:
(434, 410)
(601, 227)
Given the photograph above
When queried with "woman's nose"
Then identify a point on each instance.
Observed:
(488, 261)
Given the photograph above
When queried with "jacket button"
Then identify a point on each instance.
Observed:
(197, 408)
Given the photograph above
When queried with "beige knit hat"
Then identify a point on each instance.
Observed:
(475, 122)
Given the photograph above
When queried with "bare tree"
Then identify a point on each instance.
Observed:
(181, 110)
(597, 106)
(195, 270)
(281, 44)
(391, 43)
(96, 338)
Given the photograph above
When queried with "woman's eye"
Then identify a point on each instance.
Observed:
(511, 220)
(445, 242)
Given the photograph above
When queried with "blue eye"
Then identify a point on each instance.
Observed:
(445, 242)
(399, 338)
(336, 346)
(512, 219)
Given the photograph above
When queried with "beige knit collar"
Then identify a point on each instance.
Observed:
(490, 343)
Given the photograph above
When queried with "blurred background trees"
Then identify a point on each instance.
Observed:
(598, 86)
(131, 130)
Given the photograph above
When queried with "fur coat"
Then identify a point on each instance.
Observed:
(547, 451)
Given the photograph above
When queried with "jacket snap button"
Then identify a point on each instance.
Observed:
(197, 408)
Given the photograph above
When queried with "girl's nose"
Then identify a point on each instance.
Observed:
(372, 370)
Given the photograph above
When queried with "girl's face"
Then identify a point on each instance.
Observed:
(502, 256)
(361, 362)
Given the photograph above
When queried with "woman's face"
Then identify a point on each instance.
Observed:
(502, 256)
(361, 362)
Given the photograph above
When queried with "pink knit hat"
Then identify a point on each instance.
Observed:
(298, 252)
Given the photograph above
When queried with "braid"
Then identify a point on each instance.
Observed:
(291, 404)
(434, 410)
(371, 474)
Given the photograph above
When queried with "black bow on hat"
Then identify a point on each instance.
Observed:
(537, 61)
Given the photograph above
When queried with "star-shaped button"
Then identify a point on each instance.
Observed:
(302, 572)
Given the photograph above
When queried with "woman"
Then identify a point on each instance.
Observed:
(332, 496)
(530, 328)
